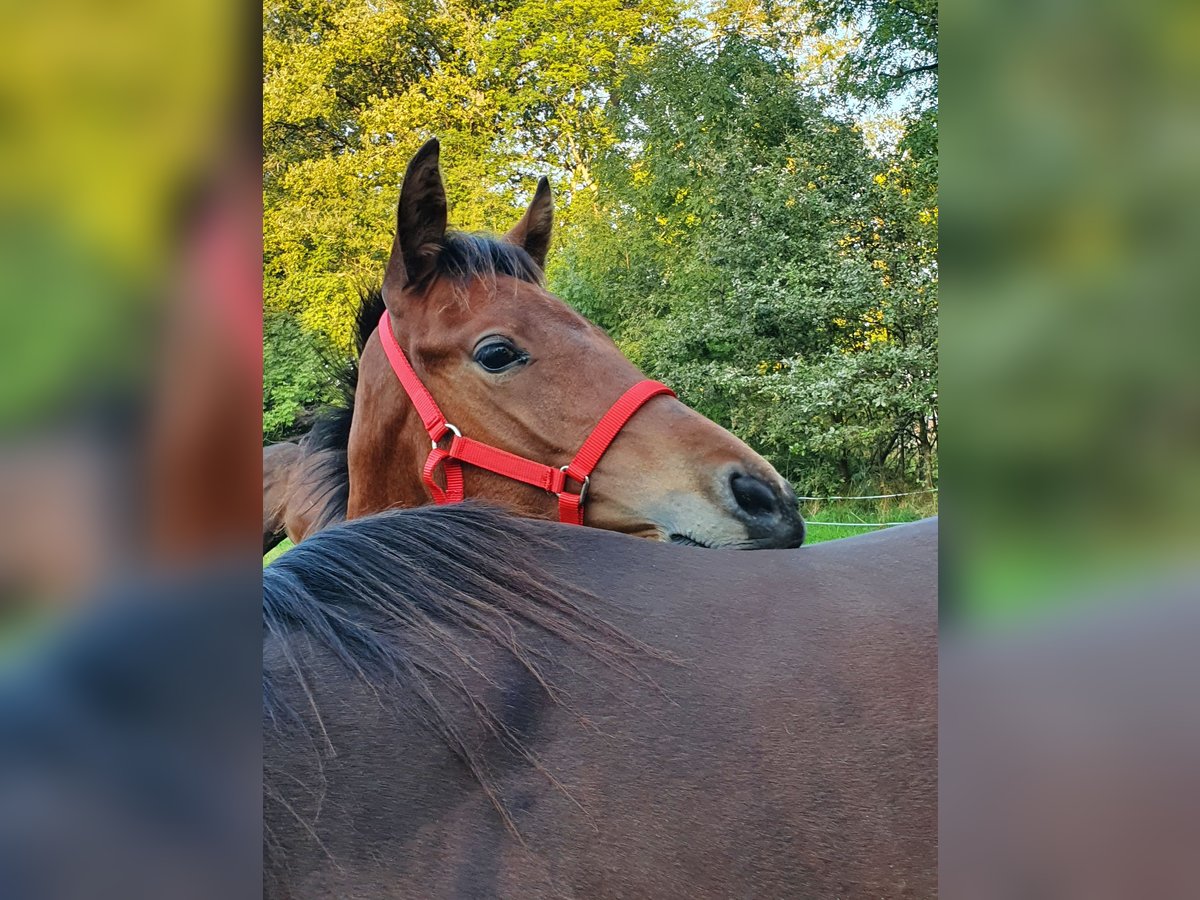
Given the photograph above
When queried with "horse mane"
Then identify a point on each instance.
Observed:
(326, 467)
(462, 256)
(397, 598)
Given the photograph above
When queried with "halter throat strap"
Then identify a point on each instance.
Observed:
(463, 450)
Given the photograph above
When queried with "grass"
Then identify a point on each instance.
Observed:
(859, 512)
(277, 551)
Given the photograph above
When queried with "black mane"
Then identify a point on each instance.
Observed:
(396, 597)
(462, 256)
(366, 320)
(327, 467)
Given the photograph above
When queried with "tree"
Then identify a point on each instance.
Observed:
(717, 207)
(746, 247)
(353, 87)
(896, 52)
(297, 376)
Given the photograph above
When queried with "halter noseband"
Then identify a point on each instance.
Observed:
(485, 456)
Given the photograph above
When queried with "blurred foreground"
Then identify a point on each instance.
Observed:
(1071, 380)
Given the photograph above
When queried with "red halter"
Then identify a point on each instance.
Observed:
(485, 456)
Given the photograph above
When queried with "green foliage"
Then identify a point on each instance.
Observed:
(352, 87)
(297, 376)
(897, 51)
(735, 235)
(753, 254)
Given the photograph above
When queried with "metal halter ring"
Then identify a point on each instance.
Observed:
(586, 483)
(449, 427)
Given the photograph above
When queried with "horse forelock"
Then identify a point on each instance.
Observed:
(464, 256)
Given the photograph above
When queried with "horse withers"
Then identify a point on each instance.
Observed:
(466, 704)
(513, 367)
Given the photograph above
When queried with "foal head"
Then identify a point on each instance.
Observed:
(513, 366)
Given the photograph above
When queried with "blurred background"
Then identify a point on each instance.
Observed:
(129, 293)
(1071, 384)
(1069, 718)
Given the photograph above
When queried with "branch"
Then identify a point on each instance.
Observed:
(904, 73)
(924, 17)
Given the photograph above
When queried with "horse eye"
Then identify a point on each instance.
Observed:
(497, 356)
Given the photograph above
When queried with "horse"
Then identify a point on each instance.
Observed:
(476, 382)
(463, 703)
(304, 481)
(280, 462)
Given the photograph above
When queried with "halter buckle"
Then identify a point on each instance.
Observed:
(585, 484)
(449, 428)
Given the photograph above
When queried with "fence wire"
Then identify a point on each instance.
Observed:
(874, 496)
(865, 497)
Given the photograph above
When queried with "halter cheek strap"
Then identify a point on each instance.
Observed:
(467, 451)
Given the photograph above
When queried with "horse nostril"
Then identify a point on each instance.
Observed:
(753, 495)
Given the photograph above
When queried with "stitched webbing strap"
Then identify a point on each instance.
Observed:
(427, 408)
(570, 506)
(518, 468)
(476, 453)
(452, 469)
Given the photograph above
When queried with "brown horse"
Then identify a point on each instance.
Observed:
(514, 367)
(280, 463)
(305, 482)
(465, 704)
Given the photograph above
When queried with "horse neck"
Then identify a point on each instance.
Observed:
(388, 443)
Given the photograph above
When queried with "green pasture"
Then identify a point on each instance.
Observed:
(862, 516)
(277, 551)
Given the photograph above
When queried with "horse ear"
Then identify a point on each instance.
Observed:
(420, 223)
(532, 233)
